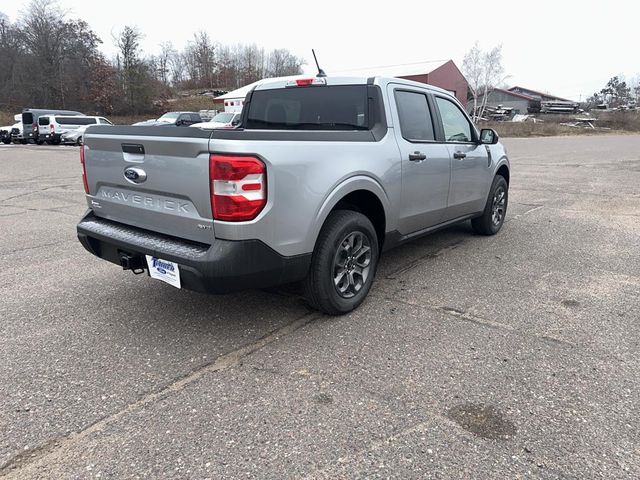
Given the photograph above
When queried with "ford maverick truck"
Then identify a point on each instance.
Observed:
(321, 176)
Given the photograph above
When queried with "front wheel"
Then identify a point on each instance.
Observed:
(343, 264)
(492, 218)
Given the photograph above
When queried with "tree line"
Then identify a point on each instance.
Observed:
(51, 61)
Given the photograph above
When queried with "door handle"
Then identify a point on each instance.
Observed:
(417, 157)
(459, 155)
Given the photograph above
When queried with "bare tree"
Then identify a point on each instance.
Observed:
(201, 59)
(163, 63)
(134, 73)
(483, 71)
(178, 67)
(42, 28)
(281, 63)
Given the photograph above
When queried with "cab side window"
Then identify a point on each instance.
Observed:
(456, 126)
(415, 118)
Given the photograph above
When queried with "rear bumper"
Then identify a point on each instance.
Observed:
(223, 267)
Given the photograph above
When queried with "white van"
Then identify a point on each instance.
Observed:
(51, 127)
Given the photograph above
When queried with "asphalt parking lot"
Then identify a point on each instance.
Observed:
(474, 357)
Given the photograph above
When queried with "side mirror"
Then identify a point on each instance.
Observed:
(235, 123)
(488, 136)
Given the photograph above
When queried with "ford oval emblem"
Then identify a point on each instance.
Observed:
(135, 174)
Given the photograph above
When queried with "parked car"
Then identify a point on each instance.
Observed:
(322, 177)
(221, 120)
(5, 134)
(16, 134)
(173, 119)
(30, 125)
(53, 127)
(73, 137)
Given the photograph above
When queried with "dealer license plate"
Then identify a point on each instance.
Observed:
(164, 270)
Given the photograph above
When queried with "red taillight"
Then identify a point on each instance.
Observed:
(238, 187)
(52, 128)
(84, 170)
(304, 82)
(34, 127)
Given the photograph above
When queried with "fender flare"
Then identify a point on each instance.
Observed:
(502, 161)
(341, 190)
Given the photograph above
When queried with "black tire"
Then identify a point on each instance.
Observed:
(23, 142)
(39, 142)
(342, 232)
(79, 141)
(495, 210)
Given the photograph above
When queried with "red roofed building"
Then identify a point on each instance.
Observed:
(439, 73)
(446, 76)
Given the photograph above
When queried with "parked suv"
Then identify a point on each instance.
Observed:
(323, 175)
(53, 127)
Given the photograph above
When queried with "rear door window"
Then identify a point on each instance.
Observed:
(43, 121)
(416, 124)
(338, 107)
(27, 118)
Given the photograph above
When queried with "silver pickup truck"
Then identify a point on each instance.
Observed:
(323, 175)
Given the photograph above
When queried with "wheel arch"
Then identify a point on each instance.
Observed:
(362, 194)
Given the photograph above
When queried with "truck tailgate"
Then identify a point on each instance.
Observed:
(156, 178)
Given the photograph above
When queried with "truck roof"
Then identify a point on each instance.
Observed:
(281, 82)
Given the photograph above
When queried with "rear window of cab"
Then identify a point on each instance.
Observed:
(334, 107)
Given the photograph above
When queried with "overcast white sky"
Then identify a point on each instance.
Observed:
(567, 48)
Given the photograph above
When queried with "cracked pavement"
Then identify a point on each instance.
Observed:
(474, 357)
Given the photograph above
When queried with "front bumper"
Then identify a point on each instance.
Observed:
(223, 267)
(51, 137)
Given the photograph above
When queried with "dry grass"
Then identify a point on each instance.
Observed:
(6, 118)
(530, 129)
(606, 122)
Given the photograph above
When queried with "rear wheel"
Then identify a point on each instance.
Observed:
(343, 264)
(492, 218)
(79, 141)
